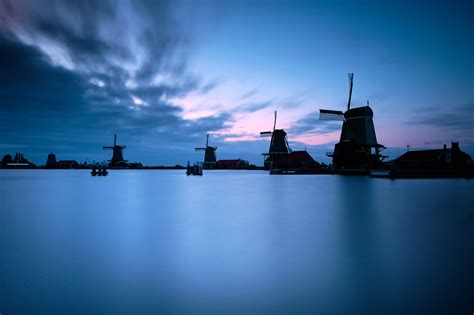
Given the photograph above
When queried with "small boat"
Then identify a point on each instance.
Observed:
(195, 169)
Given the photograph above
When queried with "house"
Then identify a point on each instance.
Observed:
(445, 162)
(297, 159)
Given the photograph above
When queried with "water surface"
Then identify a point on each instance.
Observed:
(138, 242)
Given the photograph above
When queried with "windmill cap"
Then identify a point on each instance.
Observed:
(359, 111)
(279, 131)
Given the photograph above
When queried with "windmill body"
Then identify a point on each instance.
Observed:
(358, 147)
(209, 154)
(117, 154)
(279, 147)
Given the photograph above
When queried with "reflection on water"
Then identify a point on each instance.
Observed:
(159, 241)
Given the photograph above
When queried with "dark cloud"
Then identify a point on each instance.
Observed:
(460, 117)
(75, 72)
(27, 81)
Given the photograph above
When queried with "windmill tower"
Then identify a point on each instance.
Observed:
(117, 154)
(357, 146)
(278, 145)
(209, 154)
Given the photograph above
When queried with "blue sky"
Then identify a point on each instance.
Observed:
(163, 74)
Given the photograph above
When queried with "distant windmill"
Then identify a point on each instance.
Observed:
(209, 154)
(117, 155)
(278, 145)
(357, 147)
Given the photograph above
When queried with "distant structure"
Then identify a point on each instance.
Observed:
(67, 164)
(18, 161)
(358, 147)
(51, 160)
(445, 162)
(231, 164)
(280, 156)
(117, 154)
(52, 163)
(209, 154)
(19, 158)
(7, 159)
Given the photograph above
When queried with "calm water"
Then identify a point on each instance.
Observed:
(139, 242)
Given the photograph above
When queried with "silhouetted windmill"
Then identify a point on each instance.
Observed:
(117, 155)
(357, 147)
(278, 145)
(209, 154)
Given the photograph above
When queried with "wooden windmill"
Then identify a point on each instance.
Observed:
(209, 154)
(279, 146)
(117, 154)
(357, 147)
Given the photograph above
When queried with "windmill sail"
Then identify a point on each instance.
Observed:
(351, 80)
(269, 133)
(327, 114)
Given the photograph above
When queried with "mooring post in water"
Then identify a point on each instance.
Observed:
(99, 170)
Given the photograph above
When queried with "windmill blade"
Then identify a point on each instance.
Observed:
(351, 79)
(275, 121)
(200, 149)
(327, 114)
(115, 140)
(207, 140)
(265, 133)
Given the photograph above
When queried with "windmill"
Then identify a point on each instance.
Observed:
(209, 154)
(117, 155)
(357, 146)
(278, 145)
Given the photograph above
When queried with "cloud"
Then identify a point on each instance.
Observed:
(453, 118)
(249, 94)
(253, 107)
(75, 72)
(311, 125)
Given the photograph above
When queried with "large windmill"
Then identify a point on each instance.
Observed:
(117, 154)
(279, 147)
(357, 147)
(209, 154)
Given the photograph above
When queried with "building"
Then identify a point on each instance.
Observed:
(445, 162)
(18, 161)
(51, 160)
(297, 159)
(67, 164)
(231, 164)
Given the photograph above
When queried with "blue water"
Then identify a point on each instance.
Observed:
(141, 242)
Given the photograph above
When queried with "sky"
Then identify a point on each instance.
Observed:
(162, 74)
